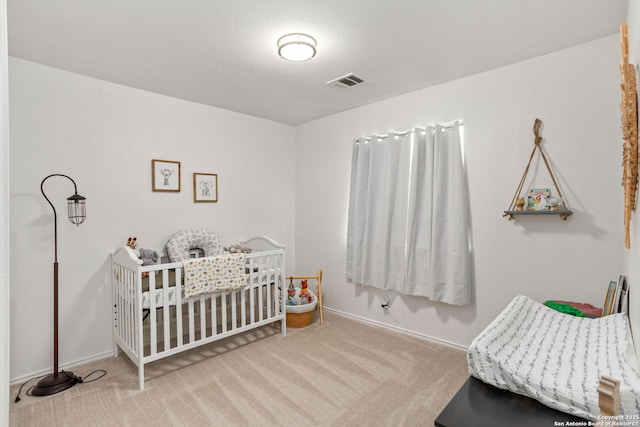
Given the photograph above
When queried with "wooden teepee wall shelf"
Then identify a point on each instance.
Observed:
(518, 208)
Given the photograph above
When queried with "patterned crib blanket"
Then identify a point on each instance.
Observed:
(214, 274)
(555, 358)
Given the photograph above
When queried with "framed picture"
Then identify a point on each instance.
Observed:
(165, 175)
(205, 187)
(623, 303)
(609, 298)
(618, 297)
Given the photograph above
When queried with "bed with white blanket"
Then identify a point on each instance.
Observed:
(557, 359)
(164, 309)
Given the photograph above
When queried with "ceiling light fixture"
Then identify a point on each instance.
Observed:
(297, 47)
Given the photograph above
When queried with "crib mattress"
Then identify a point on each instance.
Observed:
(254, 280)
(555, 358)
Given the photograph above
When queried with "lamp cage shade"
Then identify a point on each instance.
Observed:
(76, 209)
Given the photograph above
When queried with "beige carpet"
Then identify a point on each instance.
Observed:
(345, 373)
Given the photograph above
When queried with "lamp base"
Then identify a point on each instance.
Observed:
(55, 383)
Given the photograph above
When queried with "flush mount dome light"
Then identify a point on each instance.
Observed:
(297, 47)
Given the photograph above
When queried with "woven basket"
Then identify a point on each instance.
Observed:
(299, 320)
(301, 316)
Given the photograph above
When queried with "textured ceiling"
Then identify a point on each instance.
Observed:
(223, 52)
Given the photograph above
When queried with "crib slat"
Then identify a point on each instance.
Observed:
(130, 329)
(132, 332)
(252, 291)
(282, 298)
(260, 298)
(120, 307)
(125, 321)
(192, 332)
(214, 315)
(125, 313)
(279, 287)
(203, 317)
(166, 318)
(243, 308)
(119, 313)
(179, 331)
(234, 313)
(269, 270)
(115, 301)
(153, 326)
(223, 311)
(252, 303)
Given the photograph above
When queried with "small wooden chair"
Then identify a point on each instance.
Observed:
(318, 279)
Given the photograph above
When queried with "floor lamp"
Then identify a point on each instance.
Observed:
(60, 381)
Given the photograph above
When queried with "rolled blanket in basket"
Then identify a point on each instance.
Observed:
(214, 274)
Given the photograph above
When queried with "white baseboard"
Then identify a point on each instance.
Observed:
(398, 329)
(66, 366)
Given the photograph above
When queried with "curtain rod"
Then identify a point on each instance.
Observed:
(405, 132)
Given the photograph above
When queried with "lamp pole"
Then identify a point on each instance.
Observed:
(59, 381)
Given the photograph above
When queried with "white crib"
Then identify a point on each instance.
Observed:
(153, 320)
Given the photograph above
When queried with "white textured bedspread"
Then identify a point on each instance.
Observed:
(556, 358)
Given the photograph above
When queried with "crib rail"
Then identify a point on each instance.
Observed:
(170, 324)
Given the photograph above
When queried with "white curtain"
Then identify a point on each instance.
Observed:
(378, 211)
(408, 214)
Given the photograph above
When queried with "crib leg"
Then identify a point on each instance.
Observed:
(141, 377)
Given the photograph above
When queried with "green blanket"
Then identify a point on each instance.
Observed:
(564, 308)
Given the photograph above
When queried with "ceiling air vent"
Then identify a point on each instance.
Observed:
(345, 81)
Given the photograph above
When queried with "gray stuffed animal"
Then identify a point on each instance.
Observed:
(149, 256)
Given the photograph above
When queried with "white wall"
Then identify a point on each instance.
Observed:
(575, 93)
(105, 136)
